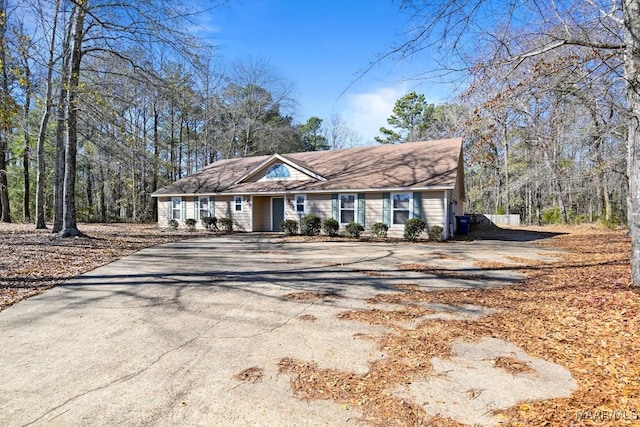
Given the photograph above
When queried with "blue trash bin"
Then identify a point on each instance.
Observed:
(462, 223)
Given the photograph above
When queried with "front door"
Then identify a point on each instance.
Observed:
(277, 213)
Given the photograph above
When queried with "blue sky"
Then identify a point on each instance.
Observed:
(321, 47)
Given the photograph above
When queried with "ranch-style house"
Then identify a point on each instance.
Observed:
(385, 183)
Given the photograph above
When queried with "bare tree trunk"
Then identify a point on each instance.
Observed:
(69, 226)
(58, 200)
(632, 74)
(172, 148)
(27, 141)
(42, 133)
(6, 103)
(103, 202)
(156, 159)
(90, 191)
(4, 184)
(24, 47)
(40, 207)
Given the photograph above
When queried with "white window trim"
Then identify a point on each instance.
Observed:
(236, 204)
(355, 207)
(198, 210)
(304, 204)
(393, 224)
(179, 208)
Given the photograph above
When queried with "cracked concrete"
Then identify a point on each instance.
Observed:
(156, 338)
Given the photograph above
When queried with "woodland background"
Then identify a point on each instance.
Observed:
(545, 139)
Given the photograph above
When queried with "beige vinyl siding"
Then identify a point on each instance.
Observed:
(433, 208)
(319, 204)
(164, 205)
(290, 208)
(242, 220)
(191, 204)
(225, 208)
(373, 209)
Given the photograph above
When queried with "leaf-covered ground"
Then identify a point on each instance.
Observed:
(33, 261)
(581, 312)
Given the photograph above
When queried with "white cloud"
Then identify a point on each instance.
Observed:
(367, 112)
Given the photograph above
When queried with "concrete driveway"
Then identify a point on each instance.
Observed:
(163, 336)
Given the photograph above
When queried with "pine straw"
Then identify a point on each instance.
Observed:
(373, 273)
(581, 312)
(36, 260)
(512, 365)
(311, 296)
(443, 272)
(387, 317)
(252, 375)
(307, 317)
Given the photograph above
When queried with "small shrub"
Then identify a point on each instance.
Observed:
(210, 222)
(289, 227)
(310, 225)
(413, 228)
(173, 224)
(354, 229)
(435, 233)
(191, 224)
(379, 229)
(330, 227)
(551, 216)
(226, 224)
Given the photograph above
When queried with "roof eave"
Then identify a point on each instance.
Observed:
(311, 191)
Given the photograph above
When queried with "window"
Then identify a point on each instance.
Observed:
(176, 208)
(401, 207)
(347, 208)
(203, 207)
(238, 202)
(278, 171)
(301, 202)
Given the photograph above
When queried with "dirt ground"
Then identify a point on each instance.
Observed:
(579, 312)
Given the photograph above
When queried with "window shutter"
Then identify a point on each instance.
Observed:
(169, 209)
(183, 204)
(212, 206)
(196, 207)
(334, 207)
(361, 207)
(386, 207)
(417, 205)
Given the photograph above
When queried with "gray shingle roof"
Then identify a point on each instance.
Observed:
(425, 164)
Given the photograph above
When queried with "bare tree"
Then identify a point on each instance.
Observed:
(76, 24)
(101, 30)
(46, 114)
(24, 47)
(631, 55)
(339, 135)
(7, 111)
(599, 28)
